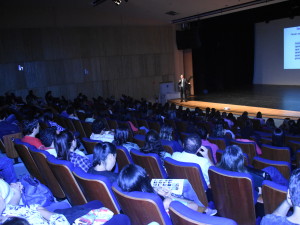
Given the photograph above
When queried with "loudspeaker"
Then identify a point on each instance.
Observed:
(187, 39)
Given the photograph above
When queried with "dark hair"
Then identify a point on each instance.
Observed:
(63, 143)
(166, 132)
(47, 136)
(29, 125)
(15, 221)
(101, 151)
(270, 123)
(202, 131)
(294, 187)
(134, 178)
(247, 129)
(278, 138)
(233, 159)
(70, 110)
(121, 135)
(192, 143)
(258, 115)
(97, 126)
(218, 130)
(153, 143)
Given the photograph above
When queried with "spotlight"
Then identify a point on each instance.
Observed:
(118, 2)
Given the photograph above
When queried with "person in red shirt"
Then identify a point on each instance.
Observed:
(30, 129)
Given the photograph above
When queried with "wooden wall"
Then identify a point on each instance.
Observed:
(130, 60)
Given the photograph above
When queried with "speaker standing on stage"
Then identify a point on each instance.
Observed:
(182, 84)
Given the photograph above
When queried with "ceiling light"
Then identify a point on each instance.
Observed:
(118, 2)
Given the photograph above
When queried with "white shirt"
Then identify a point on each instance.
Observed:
(193, 158)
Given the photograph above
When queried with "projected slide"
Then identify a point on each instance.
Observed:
(292, 48)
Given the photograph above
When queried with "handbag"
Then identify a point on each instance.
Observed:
(34, 192)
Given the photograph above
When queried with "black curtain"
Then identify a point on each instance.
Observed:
(225, 57)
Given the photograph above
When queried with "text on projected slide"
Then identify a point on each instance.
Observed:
(292, 48)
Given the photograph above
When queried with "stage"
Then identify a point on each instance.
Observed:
(273, 101)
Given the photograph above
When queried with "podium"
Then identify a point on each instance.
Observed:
(167, 91)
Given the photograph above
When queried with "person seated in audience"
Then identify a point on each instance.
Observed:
(166, 135)
(10, 196)
(7, 125)
(233, 160)
(270, 124)
(134, 178)
(89, 116)
(153, 145)
(48, 119)
(203, 135)
(259, 117)
(192, 146)
(229, 122)
(104, 160)
(66, 148)
(247, 132)
(30, 130)
(121, 139)
(99, 133)
(278, 138)
(285, 126)
(220, 132)
(47, 137)
(280, 216)
(71, 113)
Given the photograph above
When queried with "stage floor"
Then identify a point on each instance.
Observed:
(271, 100)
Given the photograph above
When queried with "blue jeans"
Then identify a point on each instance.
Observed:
(7, 171)
(189, 193)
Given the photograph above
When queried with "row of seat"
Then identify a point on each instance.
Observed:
(79, 187)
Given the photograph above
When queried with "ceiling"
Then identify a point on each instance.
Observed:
(136, 12)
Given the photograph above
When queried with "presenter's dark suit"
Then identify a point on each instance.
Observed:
(182, 84)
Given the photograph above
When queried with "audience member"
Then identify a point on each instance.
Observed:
(7, 126)
(104, 160)
(30, 130)
(153, 145)
(99, 133)
(280, 215)
(278, 138)
(47, 137)
(168, 137)
(202, 131)
(134, 178)
(65, 145)
(191, 147)
(121, 139)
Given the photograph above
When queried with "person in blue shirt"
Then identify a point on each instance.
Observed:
(279, 216)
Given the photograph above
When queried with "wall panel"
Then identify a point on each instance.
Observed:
(118, 60)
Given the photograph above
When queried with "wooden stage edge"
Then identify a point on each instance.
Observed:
(239, 109)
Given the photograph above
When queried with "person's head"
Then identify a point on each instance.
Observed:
(202, 131)
(15, 221)
(192, 144)
(48, 115)
(105, 155)
(121, 135)
(64, 143)
(47, 136)
(166, 132)
(97, 126)
(278, 138)
(218, 130)
(233, 159)
(70, 110)
(152, 143)
(294, 188)
(134, 178)
(181, 76)
(30, 127)
(258, 115)
(270, 123)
